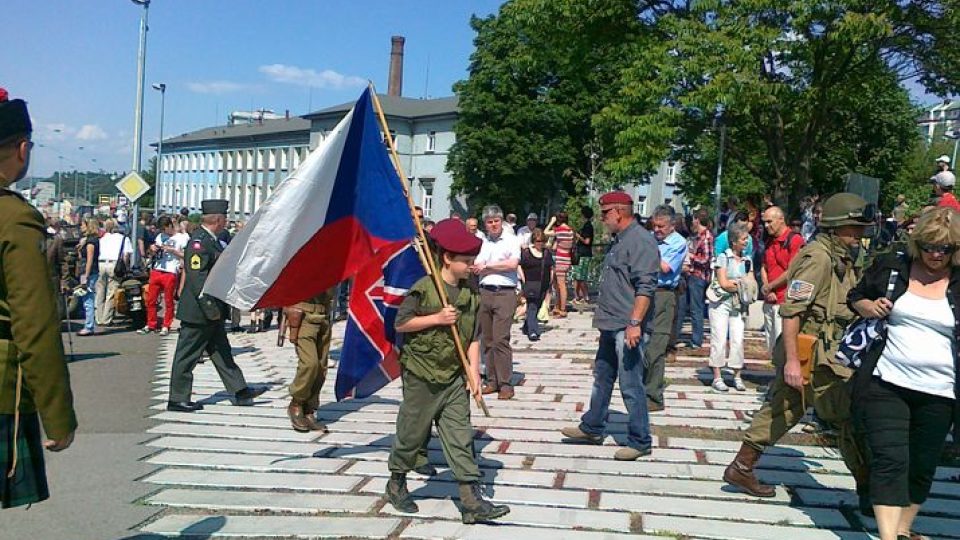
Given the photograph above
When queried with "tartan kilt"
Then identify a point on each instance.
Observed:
(29, 484)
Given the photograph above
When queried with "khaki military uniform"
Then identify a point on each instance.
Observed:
(31, 355)
(818, 281)
(313, 351)
(434, 387)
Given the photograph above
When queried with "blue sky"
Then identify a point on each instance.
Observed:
(75, 63)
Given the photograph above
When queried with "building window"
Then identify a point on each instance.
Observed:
(386, 142)
(426, 197)
(640, 206)
(432, 142)
(671, 173)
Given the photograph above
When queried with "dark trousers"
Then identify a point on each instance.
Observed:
(531, 325)
(655, 353)
(905, 432)
(194, 339)
(496, 317)
(692, 302)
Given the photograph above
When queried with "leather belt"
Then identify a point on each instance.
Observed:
(5, 331)
(498, 288)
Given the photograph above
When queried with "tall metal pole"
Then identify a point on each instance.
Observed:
(717, 187)
(156, 184)
(953, 164)
(138, 120)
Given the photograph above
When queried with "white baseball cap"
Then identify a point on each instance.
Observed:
(944, 179)
(944, 158)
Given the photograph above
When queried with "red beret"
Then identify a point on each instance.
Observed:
(453, 237)
(616, 197)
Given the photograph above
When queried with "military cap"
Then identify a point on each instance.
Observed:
(846, 209)
(214, 206)
(616, 197)
(14, 118)
(452, 236)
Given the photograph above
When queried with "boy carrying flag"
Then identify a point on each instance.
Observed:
(433, 377)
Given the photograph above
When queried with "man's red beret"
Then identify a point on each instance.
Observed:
(616, 197)
(452, 236)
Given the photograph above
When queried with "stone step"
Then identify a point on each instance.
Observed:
(254, 480)
(257, 501)
(228, 526)
(722, 530)
(450, 529)
(247, 462)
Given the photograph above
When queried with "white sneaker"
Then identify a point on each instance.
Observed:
(720, 386)
(164, 331)
(738, 384)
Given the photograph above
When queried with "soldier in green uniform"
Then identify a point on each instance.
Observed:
(310, 332)
(818, 279)
(201, 317)
(433, 376)
(34, 381)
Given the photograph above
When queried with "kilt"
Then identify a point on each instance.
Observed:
(29, 484)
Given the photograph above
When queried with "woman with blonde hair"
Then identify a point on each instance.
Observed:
(89, 251)
(905, 394)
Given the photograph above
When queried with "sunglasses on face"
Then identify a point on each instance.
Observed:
(946, 249)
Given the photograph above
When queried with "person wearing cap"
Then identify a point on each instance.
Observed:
(818, 280)
(34, 381)
(201, 317)
(943, 184)
(626, 299)
(434, 381)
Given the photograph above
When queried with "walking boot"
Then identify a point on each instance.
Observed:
(398, 495)
(474, 509)
(315, 425)
(740, 473)
(297, 419)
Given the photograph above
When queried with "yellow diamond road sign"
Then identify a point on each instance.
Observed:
(133, 186)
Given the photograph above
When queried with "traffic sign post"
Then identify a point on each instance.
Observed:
(133, 186)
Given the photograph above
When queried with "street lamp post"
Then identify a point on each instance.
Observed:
(952, 134)
(156, 184)
(717, 187)
(138, 117)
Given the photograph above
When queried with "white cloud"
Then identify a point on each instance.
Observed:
(216, 87)
(308, 77)
(91, 132)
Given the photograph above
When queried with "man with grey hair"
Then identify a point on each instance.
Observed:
(673, 251)
(496, 266)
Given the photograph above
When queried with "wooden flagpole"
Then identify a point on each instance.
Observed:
(426, 253)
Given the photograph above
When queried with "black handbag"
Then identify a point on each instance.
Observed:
(120, 269)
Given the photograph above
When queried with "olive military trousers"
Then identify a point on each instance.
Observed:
(423, 404)
(829, 394)
(313, 352)
(655, 354)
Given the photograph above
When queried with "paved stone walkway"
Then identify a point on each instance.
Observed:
(243, 473)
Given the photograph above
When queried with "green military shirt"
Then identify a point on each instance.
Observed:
(28, 311)
(822, 261)
(431, 353)
(199, 256)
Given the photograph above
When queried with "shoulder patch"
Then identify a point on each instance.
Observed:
(197, 244)
(800, 290)
(195, 262)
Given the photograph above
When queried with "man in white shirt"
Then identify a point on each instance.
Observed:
(167, 254)
(496, 266)
(510, 224)
(113, 246)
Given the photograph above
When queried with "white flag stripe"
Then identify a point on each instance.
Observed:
(284, 223)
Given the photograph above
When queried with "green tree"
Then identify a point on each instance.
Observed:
(540, 71)
(809, 91)
(150, 176)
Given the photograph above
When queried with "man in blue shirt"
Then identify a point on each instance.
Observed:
(673, 250)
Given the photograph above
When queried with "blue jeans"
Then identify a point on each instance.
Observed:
(615, 359)
(694, 304)
(530, 324)
(90, 303)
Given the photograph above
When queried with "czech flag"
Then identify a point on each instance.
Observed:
(370, 355)
(323, 223)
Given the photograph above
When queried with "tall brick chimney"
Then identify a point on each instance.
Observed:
(395, 86)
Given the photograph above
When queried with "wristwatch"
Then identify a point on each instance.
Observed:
(634, 322)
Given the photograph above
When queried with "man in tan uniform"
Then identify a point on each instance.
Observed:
(818, 280)
(310, 331)
(34, 381)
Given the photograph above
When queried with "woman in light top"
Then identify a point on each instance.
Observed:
(906, 389)
(727, 312)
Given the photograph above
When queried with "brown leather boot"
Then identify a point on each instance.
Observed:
(740, 473)
(315, 425)
(297, 419)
